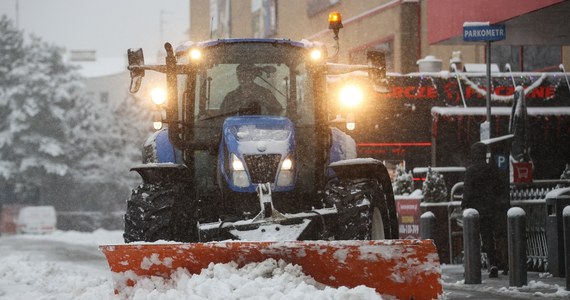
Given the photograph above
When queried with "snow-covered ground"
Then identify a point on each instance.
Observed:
(68, 265)
(539, 286)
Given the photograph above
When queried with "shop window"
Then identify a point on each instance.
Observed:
(316, 6)
(220, 17)
(527, 58)
(358, 55)
(264, 18)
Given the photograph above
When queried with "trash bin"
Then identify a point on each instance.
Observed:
(556, 200)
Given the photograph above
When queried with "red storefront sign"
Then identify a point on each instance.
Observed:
(408, 209)
(522, 172)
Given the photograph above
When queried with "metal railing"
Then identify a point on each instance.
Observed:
(529, 197)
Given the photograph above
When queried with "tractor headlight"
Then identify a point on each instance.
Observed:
(195, 54)
(239, 176)
(157, 120)
(316, 54)
(350, 122)
(351, 95)
(158, 96)
(286, 177)
(287, 164)
(237, 164)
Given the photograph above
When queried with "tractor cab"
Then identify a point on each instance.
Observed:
(246, 77)
(241, 113)
(248, 112)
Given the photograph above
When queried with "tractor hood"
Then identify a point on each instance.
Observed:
(261, 143)
(259, 135)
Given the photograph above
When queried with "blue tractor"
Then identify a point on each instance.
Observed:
(271, 165)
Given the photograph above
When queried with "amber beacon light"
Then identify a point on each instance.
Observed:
(335, 22)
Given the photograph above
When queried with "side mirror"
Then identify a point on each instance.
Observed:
(136, 61)
(377, 74)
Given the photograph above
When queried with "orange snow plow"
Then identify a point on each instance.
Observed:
(406, 269)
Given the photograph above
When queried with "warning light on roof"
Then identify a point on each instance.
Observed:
(335, 20)
(335, 23)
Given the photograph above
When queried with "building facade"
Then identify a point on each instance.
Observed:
(405, 30)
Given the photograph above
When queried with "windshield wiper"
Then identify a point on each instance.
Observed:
(274, 88)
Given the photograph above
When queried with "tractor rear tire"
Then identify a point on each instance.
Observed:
(160, 211)
(362, 210)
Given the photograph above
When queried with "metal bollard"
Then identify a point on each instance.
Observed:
(427, 225)
(517, 246)
(471, 246)
(566, 221)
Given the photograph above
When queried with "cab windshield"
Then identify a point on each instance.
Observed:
(260, 79)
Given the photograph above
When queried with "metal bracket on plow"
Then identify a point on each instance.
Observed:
(266, 203)
(268, 225)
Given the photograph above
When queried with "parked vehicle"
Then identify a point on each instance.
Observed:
(37, 220)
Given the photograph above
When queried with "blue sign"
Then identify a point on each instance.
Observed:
(502, 162)
(484, 33)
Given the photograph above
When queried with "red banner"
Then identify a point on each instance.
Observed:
(408, 209)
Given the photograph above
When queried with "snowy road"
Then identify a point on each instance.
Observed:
(58, 266)
(69, 265)
(54, 251)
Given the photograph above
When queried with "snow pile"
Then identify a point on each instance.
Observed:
(543, 286)
(534, 285)
(515, 212)
(270, 279)
(48, 269)
(23, 277)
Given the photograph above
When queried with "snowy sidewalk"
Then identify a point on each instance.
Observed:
(540, 285)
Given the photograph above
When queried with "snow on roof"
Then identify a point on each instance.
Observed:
(474, 24)
(498, 139)
(480, 68)
(421, 170)
(312, 44)
(429, 58)
(354, 161)
(444, 74)
(558, 193)
(481, 111)
(101, 67)
(408, 197)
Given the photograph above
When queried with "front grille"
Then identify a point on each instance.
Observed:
(262, 168)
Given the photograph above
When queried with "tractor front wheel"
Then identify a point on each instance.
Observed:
(363, 212)
(160, 211)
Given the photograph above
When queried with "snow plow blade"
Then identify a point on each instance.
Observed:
(405, 269)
